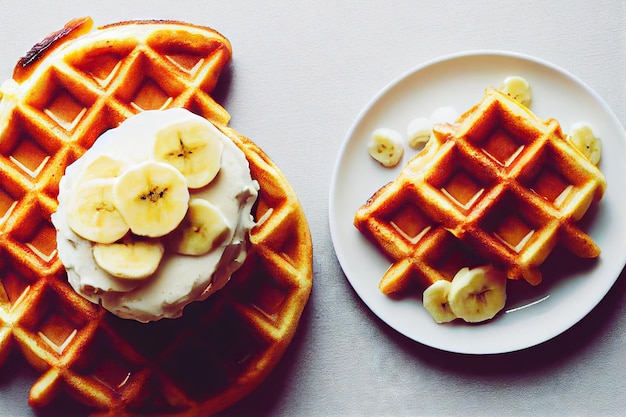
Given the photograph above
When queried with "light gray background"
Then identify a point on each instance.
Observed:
(301, 73)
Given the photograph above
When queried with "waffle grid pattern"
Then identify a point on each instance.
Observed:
(500, 186)
(220, 349)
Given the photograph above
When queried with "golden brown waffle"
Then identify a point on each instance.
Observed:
(65, 93)
(500, 186)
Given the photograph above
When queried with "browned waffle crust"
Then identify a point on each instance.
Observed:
(67, 91)
(500, 186)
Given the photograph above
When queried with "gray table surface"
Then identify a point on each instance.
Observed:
(301, 73)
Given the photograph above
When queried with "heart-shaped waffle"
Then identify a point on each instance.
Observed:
(65, 92)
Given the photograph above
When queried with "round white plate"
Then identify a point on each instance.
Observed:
(570, 289)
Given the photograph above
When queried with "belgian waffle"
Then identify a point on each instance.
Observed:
(65, 92)
(499, 186)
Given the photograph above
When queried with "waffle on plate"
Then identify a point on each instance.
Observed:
(499, 186)
(65, 92)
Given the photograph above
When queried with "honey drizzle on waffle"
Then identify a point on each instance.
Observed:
(222, 348)
(499, 186)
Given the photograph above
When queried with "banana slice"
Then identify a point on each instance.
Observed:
(386, 146)
(203, 228)
(477, 294)
(435, 300)
(130, 258)
(102, 167)
(582, 136)
(518, 88)
(92, 213)
(444, 114)
(152, 197)
(418, 131)
(191, 146)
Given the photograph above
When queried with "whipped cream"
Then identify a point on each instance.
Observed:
(179, 279)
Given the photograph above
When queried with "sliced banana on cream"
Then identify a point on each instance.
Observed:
(584, 139)
(386, 146)
(129, 258)
(518, 89)
(191, 146)
(435, 300)
(203, 228)
(477, 294)
(103, 166)
(152, 198)
(92, 213)
(142, 277)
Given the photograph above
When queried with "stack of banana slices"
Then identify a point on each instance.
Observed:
(151, 199)
(474, 295)
(165, 194)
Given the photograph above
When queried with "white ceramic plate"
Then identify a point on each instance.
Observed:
(533, 314)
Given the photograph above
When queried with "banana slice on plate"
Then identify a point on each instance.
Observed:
(435, 300)
(152, 198)
(582, 136)
(418, 131)
(386, 146)
(518, 88)
(444, 114)
(191, 146)
(203, 228)
(92, 213)
(477, 294)
(129, 258)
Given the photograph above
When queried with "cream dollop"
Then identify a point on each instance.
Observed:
(179, 279)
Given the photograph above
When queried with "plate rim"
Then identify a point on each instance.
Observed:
(348, 138)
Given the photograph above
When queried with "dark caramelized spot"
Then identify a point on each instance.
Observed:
(72, 29)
